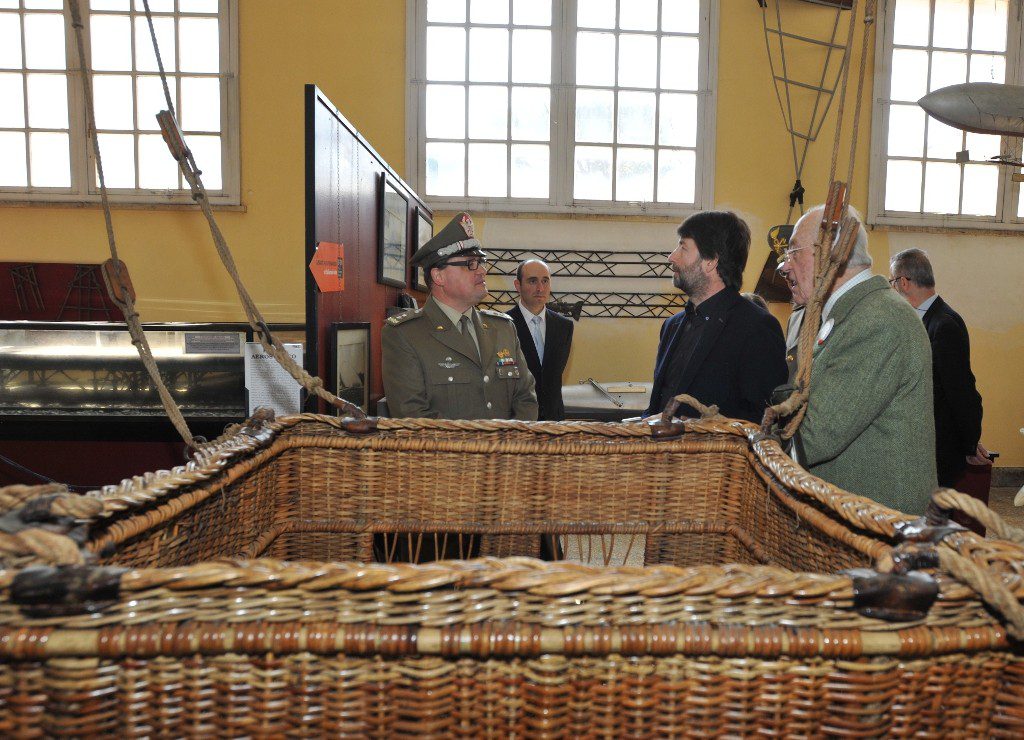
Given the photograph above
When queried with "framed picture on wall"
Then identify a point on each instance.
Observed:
(424, 230)
(393, 230)
(351, 363)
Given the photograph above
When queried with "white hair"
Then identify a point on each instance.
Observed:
(859, 256)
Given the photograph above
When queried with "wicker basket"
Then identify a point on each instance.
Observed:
(236, 595)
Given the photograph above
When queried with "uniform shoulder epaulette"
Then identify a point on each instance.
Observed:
(404, 317)
(495, 314)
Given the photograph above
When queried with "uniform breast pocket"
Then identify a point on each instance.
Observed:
(508, 372)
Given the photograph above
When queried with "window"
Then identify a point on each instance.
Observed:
(562, 105)
(917, 177)
(43, 134)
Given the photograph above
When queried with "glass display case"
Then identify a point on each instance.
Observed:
(88, 370)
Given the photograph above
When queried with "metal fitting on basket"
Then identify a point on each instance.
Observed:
(65, 590)
(894, 597)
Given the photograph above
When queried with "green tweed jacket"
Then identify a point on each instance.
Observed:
(869, 427)
(430, 370)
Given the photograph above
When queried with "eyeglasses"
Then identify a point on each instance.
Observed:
(787, 255)
(471, 264)
(895, 280)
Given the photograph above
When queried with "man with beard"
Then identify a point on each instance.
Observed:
(721, 348)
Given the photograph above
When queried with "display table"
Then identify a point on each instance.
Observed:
(605, 401)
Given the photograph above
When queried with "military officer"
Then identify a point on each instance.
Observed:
(449, 360)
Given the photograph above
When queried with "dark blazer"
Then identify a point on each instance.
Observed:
(557, 341)
(738, 361)
(957, 401)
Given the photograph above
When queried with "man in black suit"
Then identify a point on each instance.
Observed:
(957, 401)
(544, 336)
(721, 348)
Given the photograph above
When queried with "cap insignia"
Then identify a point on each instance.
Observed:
(467, 225)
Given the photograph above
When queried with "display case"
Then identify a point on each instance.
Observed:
(92, 371)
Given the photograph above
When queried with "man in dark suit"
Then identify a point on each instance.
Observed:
(544, 336)
(958, 409)
(721, 348)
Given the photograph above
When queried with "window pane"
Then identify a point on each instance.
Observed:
(596, 14)
(909, 75)
(986, 68)
(638, 15)
(446, 11)
(911, 22)
(531, 56)
(44, 4)
(906, 131)
(903, 186)
(115, 103)
(530, 171)
(49, 160)
(983, 146)
(47, 101)
(157, 168)
(950, 27)
(638, 61)
(157, 6)
(111, 43)
(678, 120)
(989, 28)
(199, 39)
(488, 55)
(531, 12)
(446, 111)
(636, 118)
(10, 41)
(150, 100)
(488, 112)
(593, 173)
(200, 104)
(44, 41)
(943, 141)
(206, 150)
(145, 57)
(446, 167)
(12, 154)
(981, 183)
(677, 176)
(12, 112)
(680, 59)
(488, 11)
(948, 69)
(6, 4)
(942, 187)
(594, 115)
(118, 152)
(634, 175)
(111, 4)
(531, 114)
(680, 16)
(197, 6)
(488, 170)
(595, 59)
(446, 53)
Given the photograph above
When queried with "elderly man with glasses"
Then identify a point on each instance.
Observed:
(450, 360)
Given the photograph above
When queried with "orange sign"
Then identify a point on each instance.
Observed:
(328, 267)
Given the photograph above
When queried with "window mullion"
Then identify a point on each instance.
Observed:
(1009, 190)
(78, 120)
(563, 101)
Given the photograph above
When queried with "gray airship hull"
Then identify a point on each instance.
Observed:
(978, 107)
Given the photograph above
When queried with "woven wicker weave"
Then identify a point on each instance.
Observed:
(740, 624)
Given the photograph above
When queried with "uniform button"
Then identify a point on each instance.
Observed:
(451, 379)
(487, 379)
(488, 404)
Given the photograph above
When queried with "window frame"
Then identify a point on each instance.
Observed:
(82, 157)
(560, 196)
(1008, 190)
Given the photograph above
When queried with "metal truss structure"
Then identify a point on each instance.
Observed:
(604, 305)
(584, 263)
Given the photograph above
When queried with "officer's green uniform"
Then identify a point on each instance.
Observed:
(430, 369)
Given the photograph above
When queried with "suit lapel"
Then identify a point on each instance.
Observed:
(712, 330)
(670, 348)
(526, 343)
(449, 335)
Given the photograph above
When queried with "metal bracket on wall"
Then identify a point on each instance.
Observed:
(584, 263)
(604, 305)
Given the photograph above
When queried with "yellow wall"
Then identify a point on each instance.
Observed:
(354, 50)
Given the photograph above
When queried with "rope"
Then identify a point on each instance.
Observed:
(950, 500)
(989, 587)
(127, 303)
(261, 331)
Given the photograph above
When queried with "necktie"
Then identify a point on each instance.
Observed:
(537, 338)
(467, 331)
